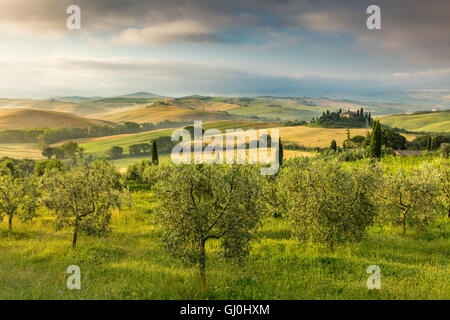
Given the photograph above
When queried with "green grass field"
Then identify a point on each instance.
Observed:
(131, 263)
(99, 146)
(428, 122)
(277, 109)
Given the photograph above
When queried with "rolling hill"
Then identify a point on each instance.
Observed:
(98, 146)
(420, 122)
(81, 109)
(143, 95)
(76, 99)
(300, 135)
(204, 103)
(161, 113)
(31, 118)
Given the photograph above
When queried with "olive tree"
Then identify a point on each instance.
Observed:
(197, 203)
(273, 196)
(83, 198)
(329, 202)
(410, 198)
(445, 183)
(18, 197)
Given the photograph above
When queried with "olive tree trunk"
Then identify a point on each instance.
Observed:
(202, 265)
(75, 233)
(404, 220)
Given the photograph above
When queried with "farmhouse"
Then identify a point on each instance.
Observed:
(349, 114)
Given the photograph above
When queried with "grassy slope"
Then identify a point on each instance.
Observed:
(207, 105)
(21, 151)
(306, 109)
(31, 118)
(317, 137)
(305, 136)
(431, 122)
(159, 114)
(93, 108)
(99, 146)
(131, 263)
(274, 108)
(83, 109)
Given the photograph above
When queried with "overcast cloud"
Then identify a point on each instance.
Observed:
(411, 50)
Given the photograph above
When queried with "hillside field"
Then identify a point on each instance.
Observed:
(161, 113)
(99, 146)
(428, 122)
(133, 107)
(303, 136)
(21, 151)
(16, 119)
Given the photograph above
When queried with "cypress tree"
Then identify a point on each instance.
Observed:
(433, 143)
(333, 145)
(429, 143)
(154, 153)
(375, 141)
(347, 142)
(280, 152)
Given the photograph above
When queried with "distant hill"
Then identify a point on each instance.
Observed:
(80, 99)
(426, 122)
(31, 118)
(124, 108)
(142, 95)
(76, 99)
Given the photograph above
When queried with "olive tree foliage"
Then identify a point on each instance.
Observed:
(84, 197)
(410, 198)
(443, 166)
(197, 203)
(329, 202)
(18, 194)
(273, 196)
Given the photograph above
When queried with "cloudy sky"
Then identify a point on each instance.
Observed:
(245, 47)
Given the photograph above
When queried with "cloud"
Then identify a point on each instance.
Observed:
(94, 76)
(177, 31)
(418, 30)
(414, 44)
